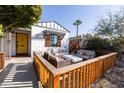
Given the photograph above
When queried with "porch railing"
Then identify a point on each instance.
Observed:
(78, 75)
(1, 61)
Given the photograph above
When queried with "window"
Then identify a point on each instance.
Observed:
(53, 40)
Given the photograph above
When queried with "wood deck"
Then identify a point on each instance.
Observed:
(79, 75)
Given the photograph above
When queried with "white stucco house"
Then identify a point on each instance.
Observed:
(48, 36)
(43, 36)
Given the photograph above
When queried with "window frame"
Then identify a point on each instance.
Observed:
(53, 39)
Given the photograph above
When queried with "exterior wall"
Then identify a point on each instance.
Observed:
(1, 44)
(39, 44)
(13, 44)
(5, 44)
(65, 41)
(8, 43)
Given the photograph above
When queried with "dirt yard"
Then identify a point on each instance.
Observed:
(114, 78)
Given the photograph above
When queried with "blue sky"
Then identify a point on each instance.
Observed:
(66, 15)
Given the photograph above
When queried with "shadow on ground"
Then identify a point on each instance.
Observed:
(19, 75)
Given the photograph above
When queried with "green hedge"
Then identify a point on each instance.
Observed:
(97, 43)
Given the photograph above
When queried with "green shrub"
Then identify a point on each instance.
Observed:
(1, 31)
(96, 42)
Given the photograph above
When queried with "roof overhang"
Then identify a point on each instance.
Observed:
(54, 32)
(62, 34)
(23, 29)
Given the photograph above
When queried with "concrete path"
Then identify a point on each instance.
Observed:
(18, 73)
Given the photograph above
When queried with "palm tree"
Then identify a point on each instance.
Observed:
(77, 23)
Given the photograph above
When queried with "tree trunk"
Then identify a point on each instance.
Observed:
(77, 31)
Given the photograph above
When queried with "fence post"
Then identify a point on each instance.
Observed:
(1, 61)
(57, 82)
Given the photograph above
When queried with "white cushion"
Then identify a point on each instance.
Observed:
(73, 58)
(85, 57)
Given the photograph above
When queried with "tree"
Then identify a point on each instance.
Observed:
(77, 23)
(19, 16)
(112, 28)
(105, 27)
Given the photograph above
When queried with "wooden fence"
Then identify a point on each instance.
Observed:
(74, 45)
(79, 75)
(1, 61)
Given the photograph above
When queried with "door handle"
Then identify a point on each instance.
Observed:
(22, 45)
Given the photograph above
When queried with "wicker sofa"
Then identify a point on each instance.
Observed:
(55, 60)
(62, 59)
(85, 54)
(58, 52)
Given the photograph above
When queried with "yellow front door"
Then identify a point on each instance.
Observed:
(21, 43)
